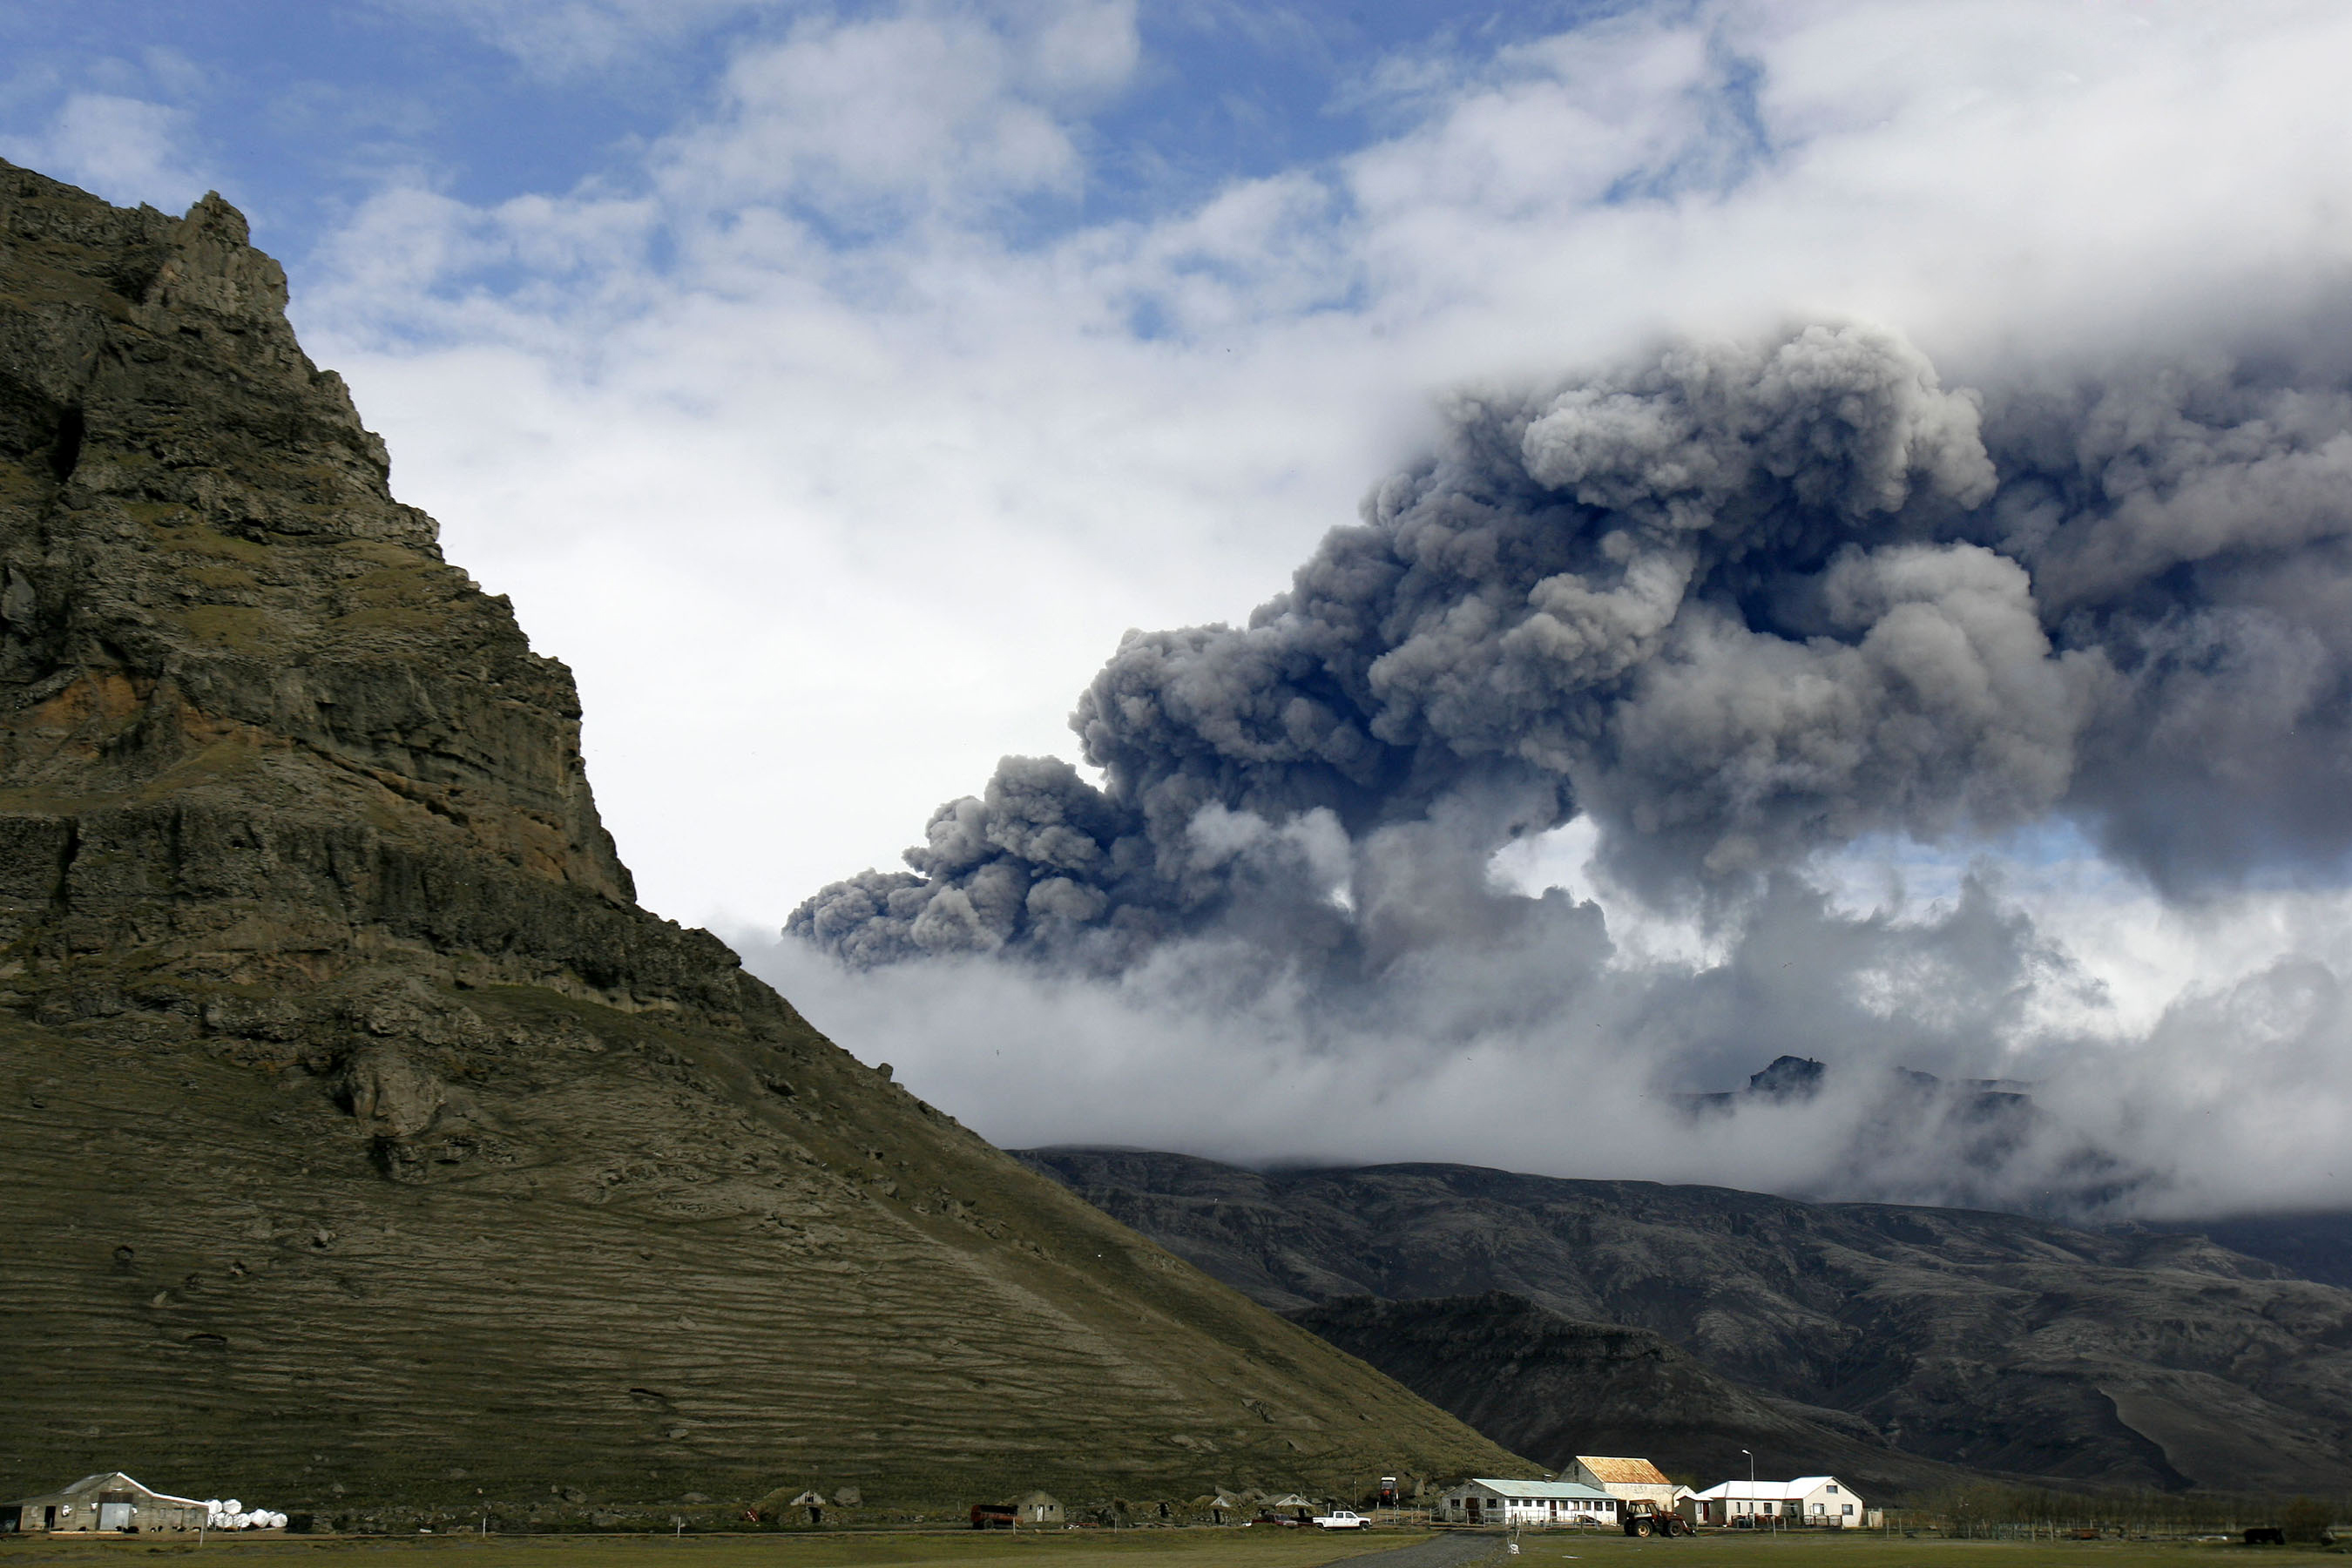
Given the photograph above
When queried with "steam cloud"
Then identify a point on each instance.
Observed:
(1733, 607)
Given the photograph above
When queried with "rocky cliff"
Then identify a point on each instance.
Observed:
(362, 1145)
(2001, 1343)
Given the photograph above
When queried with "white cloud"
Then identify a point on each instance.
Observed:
(842, 115)
(992, 473)
(127, 150)
(833, 488)
(565, 38)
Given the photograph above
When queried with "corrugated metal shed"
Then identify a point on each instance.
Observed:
(1574, 1491)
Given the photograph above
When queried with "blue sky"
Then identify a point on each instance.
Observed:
(299, 112)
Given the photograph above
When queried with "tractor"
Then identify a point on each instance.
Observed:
(1644, 1518)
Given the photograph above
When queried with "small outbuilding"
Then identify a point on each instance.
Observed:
(1038, 1507)
(108, 1501)
(1293, 1506)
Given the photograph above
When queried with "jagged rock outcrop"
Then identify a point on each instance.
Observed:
(252, 725)
(363, 1142)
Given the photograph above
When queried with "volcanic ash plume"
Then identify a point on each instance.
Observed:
(1734, 604)
(1714, 616)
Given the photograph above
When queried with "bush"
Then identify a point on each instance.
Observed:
(2306, 1519)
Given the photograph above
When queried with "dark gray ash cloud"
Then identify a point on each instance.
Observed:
(1734, 604)
(1729, 610)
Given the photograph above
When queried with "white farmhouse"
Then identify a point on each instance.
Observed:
(1808, 1500)
(1488, 1499)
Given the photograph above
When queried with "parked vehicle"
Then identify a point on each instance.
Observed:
(1342, 1519)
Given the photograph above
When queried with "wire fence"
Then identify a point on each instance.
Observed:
(2007, 1512)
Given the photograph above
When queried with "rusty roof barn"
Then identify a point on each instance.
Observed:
(1631, 1480)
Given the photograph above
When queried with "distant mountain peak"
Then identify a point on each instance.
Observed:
(1788, 1078)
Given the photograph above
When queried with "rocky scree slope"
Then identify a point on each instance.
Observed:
(364, 1145)
(2001, 1343)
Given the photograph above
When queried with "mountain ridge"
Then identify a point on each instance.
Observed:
(1553, 1387)
(1992, 1342)
(369, 1149)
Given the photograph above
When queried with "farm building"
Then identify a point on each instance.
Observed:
(1628, 1480)
(110, 1500)
(1485, 1500)
(1807, 1500)
(1038, 1507)
(1293, 1506)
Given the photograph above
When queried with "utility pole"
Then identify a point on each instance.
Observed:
(1751, 1483)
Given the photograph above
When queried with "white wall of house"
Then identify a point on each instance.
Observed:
(1830, 1502)
(1525, 1503)
(1814, 1500)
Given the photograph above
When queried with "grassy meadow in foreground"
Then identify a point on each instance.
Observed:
(1869, 1550)
(1162, 1549)
(1027, 1548)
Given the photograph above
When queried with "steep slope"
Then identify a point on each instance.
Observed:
(360, 1139)
(1985, 1340)
(2307, 1246)
(1550, 1386)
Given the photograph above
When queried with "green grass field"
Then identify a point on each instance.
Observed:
(1152, 1548)
(1027, 1548)
(1863, 1549)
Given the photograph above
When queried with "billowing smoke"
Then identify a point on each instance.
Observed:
(1734, 604)
(1730, 608)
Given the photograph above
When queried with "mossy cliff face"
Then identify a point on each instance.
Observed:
(361, 1142)
(251, 723)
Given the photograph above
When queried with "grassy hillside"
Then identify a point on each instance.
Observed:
(364, 1144)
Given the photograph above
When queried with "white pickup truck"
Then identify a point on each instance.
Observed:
(1342, 1519)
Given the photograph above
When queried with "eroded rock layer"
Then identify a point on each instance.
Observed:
(362, 1142)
